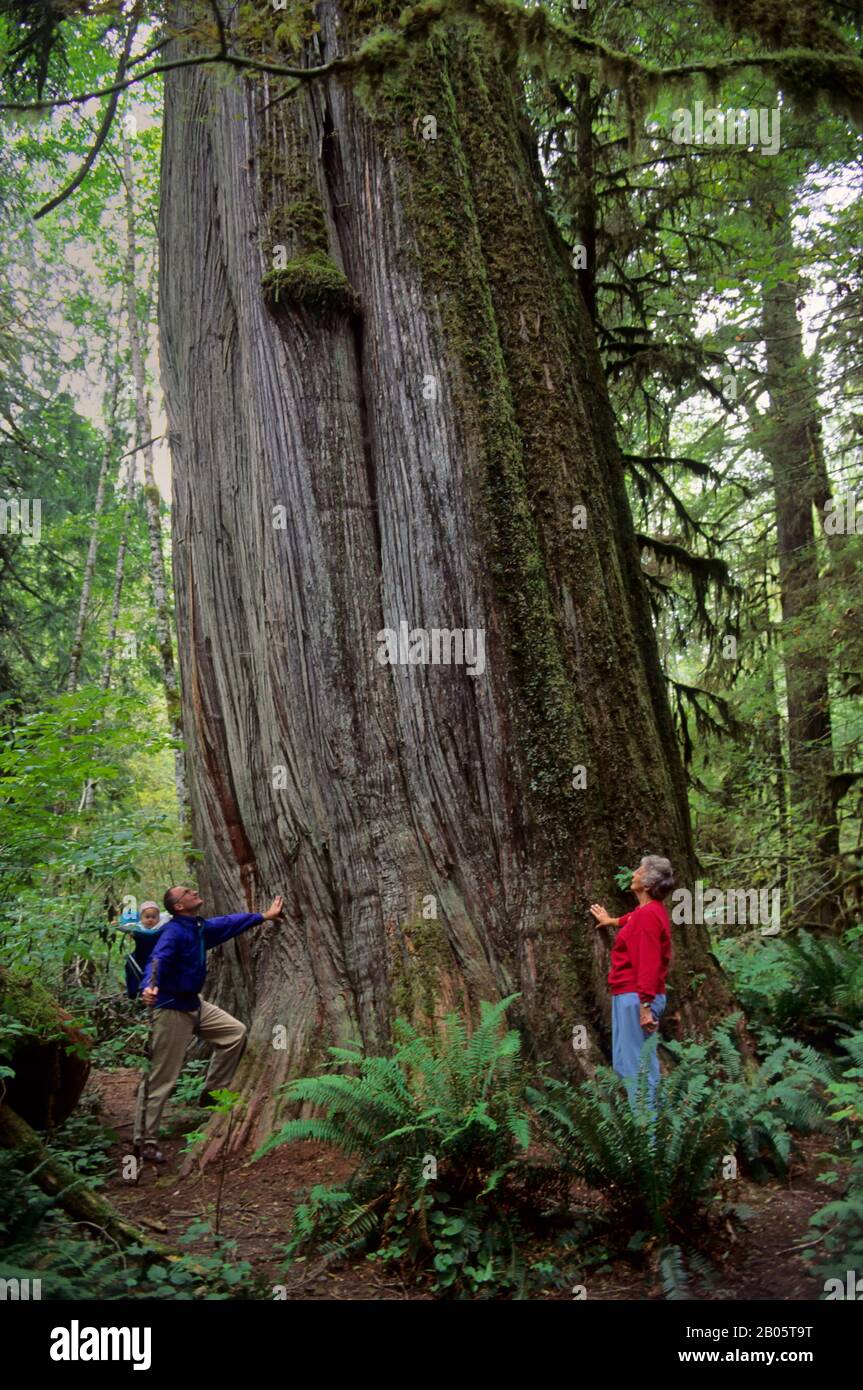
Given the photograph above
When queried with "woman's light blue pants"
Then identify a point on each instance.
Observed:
(628, 1038)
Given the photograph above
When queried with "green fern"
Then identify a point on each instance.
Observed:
(763, 1104)
(673, 1273)
(805, 986)
(455, 1096)
(841, 1221)
(656, 1173)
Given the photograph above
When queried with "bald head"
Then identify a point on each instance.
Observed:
(182, 899)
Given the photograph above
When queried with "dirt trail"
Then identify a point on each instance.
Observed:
(759, 1261)
(258, 1199)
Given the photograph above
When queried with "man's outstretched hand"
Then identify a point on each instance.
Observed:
(275, 909)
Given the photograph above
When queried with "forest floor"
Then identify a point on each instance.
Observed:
(759, 1260)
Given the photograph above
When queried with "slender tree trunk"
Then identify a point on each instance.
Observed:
(119, 575)
(152, 501)
(776, 753)
(391, 419)
(89, 791)
(792, 447)
(586, 193)
(92, 549)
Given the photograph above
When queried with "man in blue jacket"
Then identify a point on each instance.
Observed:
(172, 983)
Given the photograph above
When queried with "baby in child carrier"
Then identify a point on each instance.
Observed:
(146, 927)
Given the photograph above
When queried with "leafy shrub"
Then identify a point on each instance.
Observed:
(39, 1242)
(125, 1049)
(85, 1144)
(60, 871)
(216, 1273)
(188, 1088)
(120, 1026)
(439, 1130)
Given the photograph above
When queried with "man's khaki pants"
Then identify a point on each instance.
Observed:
(173, 1030)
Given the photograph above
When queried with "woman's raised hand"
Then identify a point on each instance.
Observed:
(602, 917)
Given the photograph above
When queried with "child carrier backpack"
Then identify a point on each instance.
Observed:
(137, 960)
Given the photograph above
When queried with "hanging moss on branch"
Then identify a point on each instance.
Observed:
(805, 59)
(819, 62)
(312, 281)
(781, 24)
(805, 56)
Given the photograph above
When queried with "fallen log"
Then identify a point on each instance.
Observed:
(60, 1181)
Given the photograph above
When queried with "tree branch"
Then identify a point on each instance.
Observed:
(107, 121)
(536, 33)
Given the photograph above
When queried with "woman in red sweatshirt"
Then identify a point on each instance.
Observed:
(640, 958)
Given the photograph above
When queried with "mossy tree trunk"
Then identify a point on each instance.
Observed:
(380, 333)
(793, 449)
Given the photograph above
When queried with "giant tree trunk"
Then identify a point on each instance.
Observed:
(428, 427)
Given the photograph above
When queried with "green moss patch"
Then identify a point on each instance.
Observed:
(313, 281)
(32, 1005)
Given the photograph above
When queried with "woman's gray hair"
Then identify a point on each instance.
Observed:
(657, 875)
